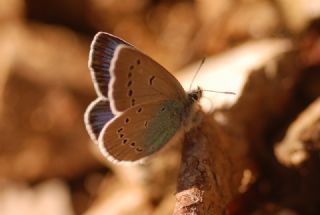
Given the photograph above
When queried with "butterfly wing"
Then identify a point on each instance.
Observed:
(100, 56)
(141, 130)
(127, 76)
(98, 113)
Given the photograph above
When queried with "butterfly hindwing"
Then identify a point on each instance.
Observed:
(98, 113)
(128, 76)
(141, 130)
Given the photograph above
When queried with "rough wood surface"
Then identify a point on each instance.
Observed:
(208, 176)
(216, 157)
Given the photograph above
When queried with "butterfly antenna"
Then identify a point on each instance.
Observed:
(224, 92)
(195, 74)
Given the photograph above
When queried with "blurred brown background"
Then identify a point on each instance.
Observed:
(48, 165)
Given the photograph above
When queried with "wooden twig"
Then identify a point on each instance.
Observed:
(208, 177)
(216, 158)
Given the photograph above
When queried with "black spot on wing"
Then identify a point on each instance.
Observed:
(127, 120)
(151, 80)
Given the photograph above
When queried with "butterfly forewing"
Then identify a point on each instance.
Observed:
(141, 130)
(133, 78)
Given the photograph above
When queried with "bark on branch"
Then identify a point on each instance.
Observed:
(208, 177)
(215, 158)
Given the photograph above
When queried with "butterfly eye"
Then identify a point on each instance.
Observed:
(120, 129)
(163, 109)
(133, 101)
(126, 121)
(121, 135)
(130, 92)
(129, 83)
(139, 110)
(124, 141)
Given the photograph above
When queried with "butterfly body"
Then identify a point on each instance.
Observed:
(140, 105)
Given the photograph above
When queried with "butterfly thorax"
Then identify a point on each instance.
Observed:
(194, 95)
(191, 113)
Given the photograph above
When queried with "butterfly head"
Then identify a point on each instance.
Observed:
(195, 95)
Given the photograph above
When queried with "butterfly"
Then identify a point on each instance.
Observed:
(140, 106)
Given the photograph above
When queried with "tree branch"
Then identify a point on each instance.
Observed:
(208, 177)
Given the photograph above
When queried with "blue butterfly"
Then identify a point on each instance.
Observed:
(140, 106)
